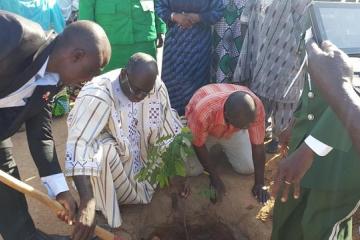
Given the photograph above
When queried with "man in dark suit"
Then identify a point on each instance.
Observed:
(33, 66)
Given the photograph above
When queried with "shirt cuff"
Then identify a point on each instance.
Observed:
(320, 148)
(55, 184)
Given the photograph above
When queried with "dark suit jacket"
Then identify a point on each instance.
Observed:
(24, 48)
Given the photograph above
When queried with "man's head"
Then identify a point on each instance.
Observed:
(80, 53)
(139, 76)
(240, 110)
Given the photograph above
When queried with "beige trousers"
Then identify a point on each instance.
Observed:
(237, 149)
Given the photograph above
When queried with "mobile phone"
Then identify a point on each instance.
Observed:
(338, 22)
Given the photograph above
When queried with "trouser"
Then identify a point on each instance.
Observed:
(280, 114)
(237, 149)
(316, 215)
(117, 183)
(15, 220)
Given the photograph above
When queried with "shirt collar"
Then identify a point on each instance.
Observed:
(42, 71)
(219, 116)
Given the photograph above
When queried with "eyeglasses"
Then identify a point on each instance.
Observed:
(136, 92)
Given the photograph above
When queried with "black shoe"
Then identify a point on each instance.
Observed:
(272, 147)
(39, 235)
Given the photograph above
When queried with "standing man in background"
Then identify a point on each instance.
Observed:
(271, 57)
(131, 26)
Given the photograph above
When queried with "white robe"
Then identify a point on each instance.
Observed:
(109, 137)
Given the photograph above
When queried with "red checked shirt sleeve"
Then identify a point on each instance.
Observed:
(199, 131)
(257, 128)
(198, 119)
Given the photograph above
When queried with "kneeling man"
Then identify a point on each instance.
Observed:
(116, 118)
(234, 117)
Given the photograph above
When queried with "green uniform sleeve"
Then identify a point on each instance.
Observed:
(87, 10)
(329, 130)
(160, 25)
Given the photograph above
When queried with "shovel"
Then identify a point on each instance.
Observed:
(52, 204)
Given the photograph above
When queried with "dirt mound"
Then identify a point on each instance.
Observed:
(211, 231)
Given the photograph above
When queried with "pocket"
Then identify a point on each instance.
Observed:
(155, 114)
(115, 19)
(111, 9)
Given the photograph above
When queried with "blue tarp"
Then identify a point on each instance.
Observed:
(45, 12)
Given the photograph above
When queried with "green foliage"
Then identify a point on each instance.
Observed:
(167, 158)
(209, 193)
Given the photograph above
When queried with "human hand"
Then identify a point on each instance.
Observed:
(217, 184)
(85, 222)
(182, 20)
(284, 138)
(194, 17)
(291, 170)
(261, 193)
(70, 206)
(160, 40)
(329, 67)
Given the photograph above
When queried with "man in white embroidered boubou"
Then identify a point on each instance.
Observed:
(116, 118)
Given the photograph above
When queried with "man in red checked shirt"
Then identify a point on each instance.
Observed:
(234, 117)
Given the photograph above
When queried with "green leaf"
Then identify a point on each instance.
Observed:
(183, 153)
(166, 158)
(187, 142)
(180, 168)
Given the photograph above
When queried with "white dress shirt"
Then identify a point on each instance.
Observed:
(19, 97)
(56, 183)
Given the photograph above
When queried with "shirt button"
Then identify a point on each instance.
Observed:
(310, 117)
(310, 94)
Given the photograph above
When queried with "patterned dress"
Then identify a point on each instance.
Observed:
(227, 42)
(109, 138)
(187, 52)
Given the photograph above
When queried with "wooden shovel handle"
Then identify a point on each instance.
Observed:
(43, 198)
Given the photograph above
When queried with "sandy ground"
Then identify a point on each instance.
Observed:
(42, 216)
(238, 204)
(238, 209)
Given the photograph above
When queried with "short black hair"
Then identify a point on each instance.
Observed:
(240, 104)
(86, 35)
(140, 62)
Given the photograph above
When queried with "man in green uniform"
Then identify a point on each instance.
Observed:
(322, 174)
(338, 77)
(131, 25)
